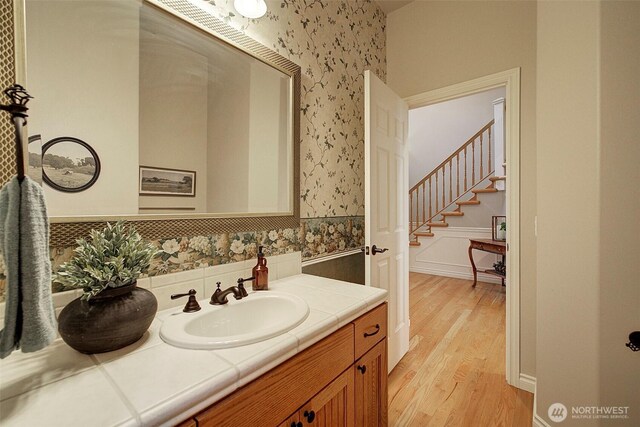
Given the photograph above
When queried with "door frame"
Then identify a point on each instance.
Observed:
(510, 79)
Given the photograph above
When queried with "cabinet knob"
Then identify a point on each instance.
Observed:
(296, 424)
(362, 369)
(310, 416)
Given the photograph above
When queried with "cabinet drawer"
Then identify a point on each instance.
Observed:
(370, 329)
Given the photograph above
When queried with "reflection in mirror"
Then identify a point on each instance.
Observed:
(152, 92)
(69, 165)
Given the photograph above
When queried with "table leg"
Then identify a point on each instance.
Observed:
(473, 266)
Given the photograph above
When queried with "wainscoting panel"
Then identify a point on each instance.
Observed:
(446, 254)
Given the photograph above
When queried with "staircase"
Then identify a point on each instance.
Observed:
(444, 191)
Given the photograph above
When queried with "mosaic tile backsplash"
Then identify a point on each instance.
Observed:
(317, 237)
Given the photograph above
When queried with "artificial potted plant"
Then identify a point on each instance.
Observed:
(502, 231)
(112, 312)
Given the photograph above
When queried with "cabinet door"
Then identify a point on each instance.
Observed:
(371, 397)
(332, 407)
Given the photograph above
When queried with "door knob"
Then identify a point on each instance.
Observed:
(376, 250)
(634, 341)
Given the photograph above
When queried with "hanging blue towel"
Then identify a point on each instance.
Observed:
(30, 322)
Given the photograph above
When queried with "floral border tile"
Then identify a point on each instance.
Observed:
(316, 237)
(326, 236)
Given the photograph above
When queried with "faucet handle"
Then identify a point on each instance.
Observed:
(242, 290)
(192, 304)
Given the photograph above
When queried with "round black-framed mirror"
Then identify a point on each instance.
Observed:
(69, 164)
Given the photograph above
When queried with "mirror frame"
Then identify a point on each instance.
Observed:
(64, 231)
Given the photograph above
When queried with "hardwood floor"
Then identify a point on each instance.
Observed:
(453, 374)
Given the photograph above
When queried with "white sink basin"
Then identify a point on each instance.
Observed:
(260, 316)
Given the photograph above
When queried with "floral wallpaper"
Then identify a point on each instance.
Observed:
(333, 42)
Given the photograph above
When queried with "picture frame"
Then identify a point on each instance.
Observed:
(69, 164)
(499, 228)
(157, 181)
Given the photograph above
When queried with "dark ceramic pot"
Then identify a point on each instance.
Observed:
(113, 319)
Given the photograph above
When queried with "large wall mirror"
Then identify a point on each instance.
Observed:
(186, 122)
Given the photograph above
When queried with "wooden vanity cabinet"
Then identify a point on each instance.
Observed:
(371, 387)
(332, 407)
(339, 381)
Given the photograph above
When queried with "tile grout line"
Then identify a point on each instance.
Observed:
(118, 391)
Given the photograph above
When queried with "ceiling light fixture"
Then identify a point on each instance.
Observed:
(252, 9)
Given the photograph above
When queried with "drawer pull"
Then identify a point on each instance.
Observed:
(362, 369)
(310, 415)
(294, 424)
(366, 335)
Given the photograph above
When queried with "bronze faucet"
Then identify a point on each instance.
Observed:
(192, 305)
(219, 297)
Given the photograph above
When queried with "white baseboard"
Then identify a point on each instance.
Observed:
(537, 420)
(527, 383)
(457, 275)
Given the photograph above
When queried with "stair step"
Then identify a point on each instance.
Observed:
(497, 178)
(437, 224)
(453, 213)
(485, 190)
(468, 202)
(414, 243)
(423, 234)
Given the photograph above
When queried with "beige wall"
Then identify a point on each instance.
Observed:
(436, 44)
(98, 105)
(568, 248)
(619, 210)
(588, 294)
(173, 117)
(227, 144)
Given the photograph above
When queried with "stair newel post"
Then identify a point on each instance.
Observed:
(444, 203)
(466, 160)
(481, 162)
(418, 204)
(458, 175)
(473, 162)
(424, 201)
(489, 163)
(437, 191)
(411, 211)
(450, 177)
(430, 197)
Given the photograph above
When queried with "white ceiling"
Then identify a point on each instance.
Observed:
(388, 6)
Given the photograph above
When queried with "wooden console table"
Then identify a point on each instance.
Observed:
(486, 245)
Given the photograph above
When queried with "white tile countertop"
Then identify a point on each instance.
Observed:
(153, 383)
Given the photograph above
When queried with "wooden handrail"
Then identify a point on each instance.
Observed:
(418, 217)
(458, 151)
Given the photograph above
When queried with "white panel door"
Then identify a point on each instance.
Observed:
(386, 206)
